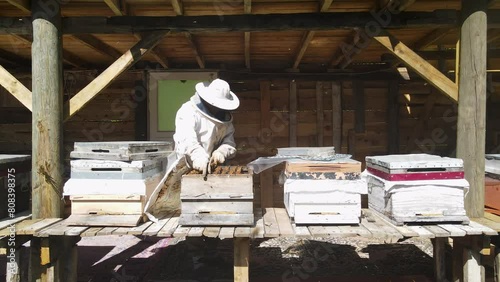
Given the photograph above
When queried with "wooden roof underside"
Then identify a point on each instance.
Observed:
(277, 51)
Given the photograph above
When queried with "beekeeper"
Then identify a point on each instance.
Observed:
(204, 138)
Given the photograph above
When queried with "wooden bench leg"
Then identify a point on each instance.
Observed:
(439, 258)
(497, 264)
(457, 260)
(53, 259)
(241, 259)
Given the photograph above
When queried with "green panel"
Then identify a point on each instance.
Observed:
(171, 95)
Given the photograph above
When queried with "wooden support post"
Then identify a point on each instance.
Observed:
(293, 114)
(471, 123)
(141, 111)
(13, 271)
(319, 113)
(393, 118)
(54, 259)
(241, 259)
(337, 116)
(47, 141)
(457, 260)
(473, 270)
(359, 98)
(439, 258)
(266, 177)
(497, 264)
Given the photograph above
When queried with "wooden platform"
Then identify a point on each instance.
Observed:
(270, 222)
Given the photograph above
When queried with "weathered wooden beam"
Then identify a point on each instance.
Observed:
(471, 124)
(250, 22)
(194, 48)
(156, 53)
(247, 50)
(439, 258)
(98, 45)
(177, 6)
(432, 37)
(47, 134)
(393, 118)
(241, 259)
(16, 88)
(419, 65)
(338, 76)
(23, 5)
(114, 5)
(325, 5)
(306, 40)
(106, 77)
(247, 6)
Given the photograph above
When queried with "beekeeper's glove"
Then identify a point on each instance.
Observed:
(201, 163)
(217, 158)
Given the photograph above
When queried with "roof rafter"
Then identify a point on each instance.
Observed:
(432, 37)
(306, 40)
(114, 5)
(23, 5)
(98, 45)
(178, 7)
(392, 7)
(155, 52)
(325, 5)
(194, 48)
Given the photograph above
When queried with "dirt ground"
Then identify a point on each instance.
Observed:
(129, 258)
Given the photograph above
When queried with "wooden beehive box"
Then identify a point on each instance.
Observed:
(225, 198)
(121, 150)
(101, 187)
(429, 190)
(323, 192)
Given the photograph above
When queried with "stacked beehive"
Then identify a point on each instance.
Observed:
(492, 184)
(114, 179)
(417, 188)
(320, 192)
(223, 198)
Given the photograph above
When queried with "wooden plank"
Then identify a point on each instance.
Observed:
(337, 231)
(319, 113)
(488, 223)
(195, 50)
(57, 229)
(258, 231)
(18, 226)
(181, 231)
(37, 226)
(471, 124)
(130, 220)
(96, 44)
(211, 232)
(437, 231)
(178, 7)
(393, 117)
(470, 230)
(431, 37)
(106, 231)
(420, 66)
(247, 50)
(301, 231)
(284, 224)
(325, 5)
(318, 231)
(16, 88)
(422, 120)
(217, 219)
(6, 222)
(114, 5)
(226, 233)
(170, 227)
(457, 257)
(404, 230)
(270, 223)
(337, 115)
(196, 231)
(379, 228)
(306, 40)
(485, 230)
(472, 266)
(154, 228)
(138, 230)
(453, 229)
(155, 53)
(121, 231)
(243, 232)
(266, 177)
(106, 77)
(241, 259)
(439, 259)
(293, 114)
(90, 232)
(359, 96)
(23, 5)
(422, 232)
(497, 266)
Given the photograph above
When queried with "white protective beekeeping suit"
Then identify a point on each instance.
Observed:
(200, 139)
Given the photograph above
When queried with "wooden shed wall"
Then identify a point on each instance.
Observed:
(262, 122)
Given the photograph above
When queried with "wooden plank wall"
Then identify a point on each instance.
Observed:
(296, 113)
(108, 117)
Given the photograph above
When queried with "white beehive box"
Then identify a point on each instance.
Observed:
(121, 150)
(221, 200)
(323, 192)
(418, 201)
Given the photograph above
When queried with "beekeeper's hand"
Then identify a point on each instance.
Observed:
(201, 164)
(217, 158)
